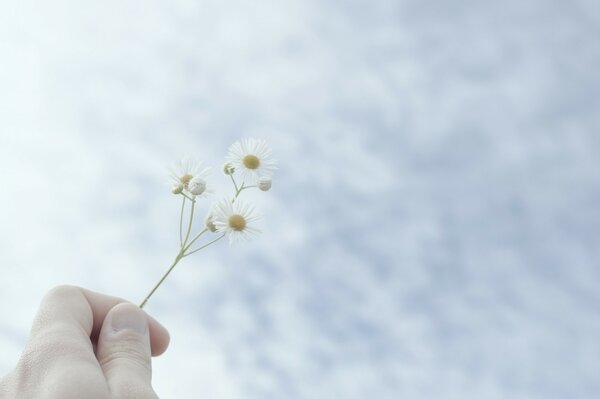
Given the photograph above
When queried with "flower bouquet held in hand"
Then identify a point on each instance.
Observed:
(249, 166)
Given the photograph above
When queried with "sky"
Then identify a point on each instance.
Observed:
(433, 227)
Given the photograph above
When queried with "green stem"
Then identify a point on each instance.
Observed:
(237, 192)
(194, 240)
(181, 223)
(189, 228)
(188, 197)
(204, 246)
(234, 183)
(175, 262)
(185, 245)
(179, 256)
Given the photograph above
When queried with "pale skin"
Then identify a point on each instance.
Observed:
(87, 345)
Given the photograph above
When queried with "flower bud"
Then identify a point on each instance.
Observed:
(197, 186)
(228, 168)
(264, 183)
(210, 225)
(177, 188)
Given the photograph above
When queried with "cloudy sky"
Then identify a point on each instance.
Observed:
(433, 230)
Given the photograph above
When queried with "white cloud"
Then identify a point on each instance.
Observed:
(430, 231)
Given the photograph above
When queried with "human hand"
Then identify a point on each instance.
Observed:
(85, 345)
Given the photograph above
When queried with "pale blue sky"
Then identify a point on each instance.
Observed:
(433, 228)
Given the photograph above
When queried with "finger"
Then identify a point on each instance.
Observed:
(101, 304)
(124, 352)
(74, 312)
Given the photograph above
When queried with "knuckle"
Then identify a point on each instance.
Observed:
(58, 306)
(128, 355)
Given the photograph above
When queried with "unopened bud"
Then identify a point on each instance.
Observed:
(197, 186)
(210, 225)
(177, 188)
(264, 183)
(228, 169)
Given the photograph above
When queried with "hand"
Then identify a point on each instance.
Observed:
(85, 345)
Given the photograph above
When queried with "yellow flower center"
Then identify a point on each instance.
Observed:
(251, 162)
(185, 179)
(237, 222)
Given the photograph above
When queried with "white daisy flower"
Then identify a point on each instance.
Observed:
(235, 220)
(252, 157)
(192, 177)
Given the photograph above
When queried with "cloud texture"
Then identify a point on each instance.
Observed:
(433, 229)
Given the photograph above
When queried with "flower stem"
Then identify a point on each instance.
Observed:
(184, 243)
(188, 197)
(189, 228)
(193, 240)
(234, 183)
(181, 223)
(237, 193)
(205, 245)
(175, 262)
(179, 256)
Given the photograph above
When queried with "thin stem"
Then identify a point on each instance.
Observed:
(177, 259)
(194, 240)
(237, 192)
(181, 223)
(234, 183)
(204, 246)
(185, 245)
(189, 228)
(188, 197)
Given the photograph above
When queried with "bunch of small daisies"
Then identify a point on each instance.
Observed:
(248, 165)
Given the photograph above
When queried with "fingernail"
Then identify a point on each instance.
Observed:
(128, 317)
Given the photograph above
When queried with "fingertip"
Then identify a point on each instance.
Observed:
(159, 337)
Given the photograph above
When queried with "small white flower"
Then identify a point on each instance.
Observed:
(235, 220)
(191, 176)
(264, 183)
(252, 157)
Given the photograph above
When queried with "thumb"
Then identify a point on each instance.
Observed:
(124, 352)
